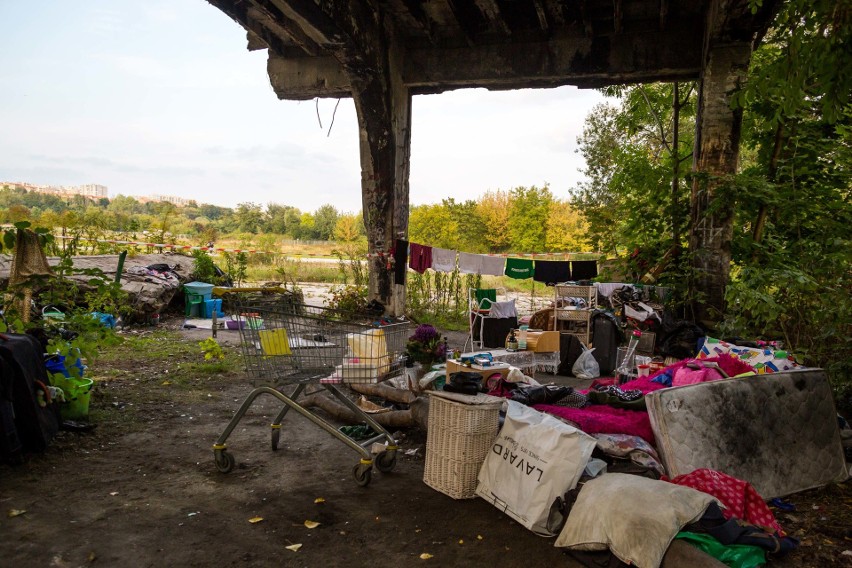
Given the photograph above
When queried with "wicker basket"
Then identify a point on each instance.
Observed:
(454, 478)
(458, 440)
(570, 291)
(573, 315)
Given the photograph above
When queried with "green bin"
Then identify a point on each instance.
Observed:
(78, 393)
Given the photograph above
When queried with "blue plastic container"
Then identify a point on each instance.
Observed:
(56, 364)
(213, 306)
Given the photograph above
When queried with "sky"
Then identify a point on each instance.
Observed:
(162, 97)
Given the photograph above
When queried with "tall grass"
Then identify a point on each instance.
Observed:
(440, 298)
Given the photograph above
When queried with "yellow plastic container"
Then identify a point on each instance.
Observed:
(274, 342)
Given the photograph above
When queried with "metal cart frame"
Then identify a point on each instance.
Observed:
(288, 343)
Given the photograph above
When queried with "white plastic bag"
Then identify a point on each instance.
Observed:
(535, 459)
(586, 366)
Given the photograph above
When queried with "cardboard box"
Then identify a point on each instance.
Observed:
(543, 341)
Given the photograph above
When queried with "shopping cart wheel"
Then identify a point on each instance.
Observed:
(224, 460)
(276, 435)
(363, 474)
(385, 461)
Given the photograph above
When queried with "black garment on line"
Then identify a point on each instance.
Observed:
(400, 261)
(584, 269)
(552, 271)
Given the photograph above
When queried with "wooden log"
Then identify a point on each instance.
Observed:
(386, 392)
(415, 417)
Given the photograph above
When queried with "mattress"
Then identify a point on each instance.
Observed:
(779, 432)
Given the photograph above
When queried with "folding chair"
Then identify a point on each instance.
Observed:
(483, 306)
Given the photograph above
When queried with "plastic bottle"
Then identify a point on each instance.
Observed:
(512, 342)
(522, 337)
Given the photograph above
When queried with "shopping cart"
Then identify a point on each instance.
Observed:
(288, 343)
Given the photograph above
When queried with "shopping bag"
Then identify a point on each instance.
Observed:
(586, 366)
(534, 461)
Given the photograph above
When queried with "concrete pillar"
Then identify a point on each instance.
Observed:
(383, 105)
(716, 155)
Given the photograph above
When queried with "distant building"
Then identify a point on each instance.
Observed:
(88, 190)
(179, 201)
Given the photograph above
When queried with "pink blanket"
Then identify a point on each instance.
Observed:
(603, 419)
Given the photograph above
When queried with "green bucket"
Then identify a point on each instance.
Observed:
(78, 393)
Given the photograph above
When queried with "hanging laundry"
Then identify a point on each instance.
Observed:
(492, 265)
(584, 269)
(400, 258)
(552, 272)
(419, 257)
(443, 260)
(485, 297)
(519, 268)
(470, 263)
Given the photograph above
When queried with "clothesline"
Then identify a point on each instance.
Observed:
(421, 257)
(507, 254)
(165, 245)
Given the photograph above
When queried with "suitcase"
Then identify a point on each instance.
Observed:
(606, 337)
(10, 445)
(25, 381)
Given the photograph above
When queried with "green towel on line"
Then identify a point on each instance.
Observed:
(519, 268)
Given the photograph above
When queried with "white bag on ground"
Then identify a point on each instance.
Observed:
(586, 366)
(535, 459)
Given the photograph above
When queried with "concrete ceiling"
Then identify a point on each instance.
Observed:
(496, 44)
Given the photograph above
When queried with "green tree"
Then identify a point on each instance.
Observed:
(283, 219)
(792, 266)
(325, 220)
(307, 227)
(566, 229)
(249, 217)
(213, 212)
(432, 224)
(125, 204)
(165, 217)
(637, 156)
(529, 208)
(349, 228)
(492, 209)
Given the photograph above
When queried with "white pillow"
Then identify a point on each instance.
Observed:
(635, 517)
(503, 309)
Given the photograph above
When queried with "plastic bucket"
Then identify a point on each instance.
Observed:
(235, 324)
(78, 393)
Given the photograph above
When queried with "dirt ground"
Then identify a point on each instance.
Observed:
(142, 489)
